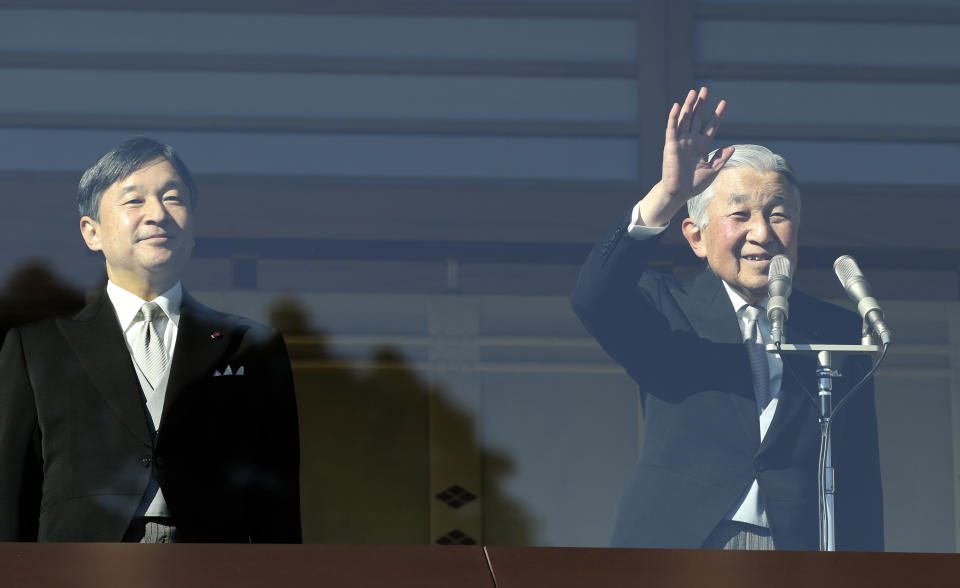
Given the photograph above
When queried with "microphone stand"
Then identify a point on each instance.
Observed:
(826, 477)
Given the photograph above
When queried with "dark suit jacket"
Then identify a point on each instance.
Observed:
(701, 448)
(76, 445)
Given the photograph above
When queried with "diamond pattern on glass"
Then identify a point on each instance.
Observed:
(456, 537)
(455, 496)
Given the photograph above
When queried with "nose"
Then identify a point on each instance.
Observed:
(155, 211)
(759, 230)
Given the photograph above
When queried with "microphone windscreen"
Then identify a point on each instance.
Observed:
(847, 270)
(779, 267)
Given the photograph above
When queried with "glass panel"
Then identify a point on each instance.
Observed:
(326, 35)
(850, 162)
(317, 95)
(447, 391)
(907, 3)
(348, 155)
(826, 43)
(840, 103)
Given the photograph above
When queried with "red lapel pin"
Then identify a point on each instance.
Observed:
(215, 335)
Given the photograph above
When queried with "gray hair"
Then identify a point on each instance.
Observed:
(755, 157)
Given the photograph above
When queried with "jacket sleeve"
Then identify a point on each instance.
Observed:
(20, 455)
(276, 510)
(619, 303)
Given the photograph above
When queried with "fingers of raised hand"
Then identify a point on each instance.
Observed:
(672, 121)
(696, 120)
(690, 120)
(711, 127)
(686, 112)
(720, 157)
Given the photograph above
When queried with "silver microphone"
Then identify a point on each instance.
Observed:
(779, 286)
(859, 291)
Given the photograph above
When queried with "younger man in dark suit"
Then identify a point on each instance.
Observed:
(730, 450)
(146, 417)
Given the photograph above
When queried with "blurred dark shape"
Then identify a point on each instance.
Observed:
(365, 444)
(289, 317)
(34, 292)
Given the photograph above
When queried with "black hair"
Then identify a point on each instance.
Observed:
(121, 161)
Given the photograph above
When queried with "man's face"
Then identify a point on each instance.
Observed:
(752, 217)
(145, 229)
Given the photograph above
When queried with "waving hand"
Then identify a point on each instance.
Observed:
(686, 170)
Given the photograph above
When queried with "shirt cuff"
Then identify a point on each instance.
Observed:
(638, 231)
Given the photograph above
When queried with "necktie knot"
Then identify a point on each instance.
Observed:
(751, 315)
(150, 311)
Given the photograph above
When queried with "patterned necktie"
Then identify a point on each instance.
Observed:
(148, 349)
(758, 357)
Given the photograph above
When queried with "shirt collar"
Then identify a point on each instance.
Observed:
(739, 301)
(127, 304)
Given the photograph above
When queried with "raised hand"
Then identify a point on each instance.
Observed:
(686, 171)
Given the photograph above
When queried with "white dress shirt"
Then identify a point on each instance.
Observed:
(750, 508)
(127, 306)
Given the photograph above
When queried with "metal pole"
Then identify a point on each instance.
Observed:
(827, 481)
(826, 478)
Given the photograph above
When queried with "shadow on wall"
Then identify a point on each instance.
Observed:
(365, 439)
(33, 292)
(365, 460)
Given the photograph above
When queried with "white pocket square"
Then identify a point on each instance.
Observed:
(229, 372)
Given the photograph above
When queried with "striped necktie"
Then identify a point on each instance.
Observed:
(148, 349)
(758, 357)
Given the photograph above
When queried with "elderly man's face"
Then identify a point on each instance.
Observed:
(145, 229)
(752, 217)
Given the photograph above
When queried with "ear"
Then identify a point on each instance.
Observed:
(90, 229)
(694, 236)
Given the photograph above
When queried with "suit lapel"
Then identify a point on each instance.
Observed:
(96, 338)
(203, 339)
(800, 328)
(710, 311)
(711, 314)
